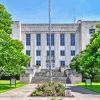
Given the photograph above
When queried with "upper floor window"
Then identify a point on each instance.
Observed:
(52, 39)
(72, 39)
(62, 53)
(62, 39)
(28, 36)
(91, 31)
(38, 53)
(38, 39)
(28, 52)
(72, 52)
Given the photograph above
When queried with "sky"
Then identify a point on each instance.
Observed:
(62, 11)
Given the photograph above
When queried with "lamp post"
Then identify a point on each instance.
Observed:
(50, 65)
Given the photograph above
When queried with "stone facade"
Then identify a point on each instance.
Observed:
(80, 29)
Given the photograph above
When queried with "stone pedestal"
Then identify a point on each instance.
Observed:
(26, 78)
(68, 93)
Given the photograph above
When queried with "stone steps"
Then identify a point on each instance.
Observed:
(38, 79)
(46, 74)
(43, 76)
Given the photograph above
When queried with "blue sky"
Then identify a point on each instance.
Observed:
(36, 11)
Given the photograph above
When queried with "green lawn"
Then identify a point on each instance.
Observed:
(5, 85)
(95, 87)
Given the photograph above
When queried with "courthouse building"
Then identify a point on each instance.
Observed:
(67, 40)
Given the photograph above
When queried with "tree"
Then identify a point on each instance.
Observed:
(75, 63)
(11, 57)
(5, 20)
(88, 62)
(12, 60)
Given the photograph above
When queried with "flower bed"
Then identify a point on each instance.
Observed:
(49, 89)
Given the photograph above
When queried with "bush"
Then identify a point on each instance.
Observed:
(97, 78)
(49, 89)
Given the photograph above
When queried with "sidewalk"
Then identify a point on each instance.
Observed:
(23, 93)
(84, 94)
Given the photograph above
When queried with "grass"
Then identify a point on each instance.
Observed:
(94, 87)
(5, 85)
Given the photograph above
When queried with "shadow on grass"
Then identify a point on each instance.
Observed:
(4, 88)
(95, 89)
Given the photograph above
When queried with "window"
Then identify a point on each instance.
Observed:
(28, 52)
(38, 53)
(48, 39)
(62, 39)
(62, 63)
(52, 53)
(38, 39)
(72, 39)
(28, 39)
(72, 52)
(38, 62)
(52, 39)
(91, 31)
(48, 53)
(62, 53)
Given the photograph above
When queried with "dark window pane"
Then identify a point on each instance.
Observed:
(52, 39)
(62, 53)
(38, 39)
(48, 53)
(48, 39)
(91, 31)
(38, 53)
(62, 63)
(28, 52)
(72, 52)
(62, 39)
(72, 39)
(52, 53)
(28, 36)
(38, 62)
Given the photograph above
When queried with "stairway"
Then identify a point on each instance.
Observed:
(44, 76)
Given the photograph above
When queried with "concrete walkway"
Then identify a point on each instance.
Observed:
(24, 92)
(84, 94)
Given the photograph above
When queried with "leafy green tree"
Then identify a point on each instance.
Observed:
(11, 57)
(12, 60)
(5, 20)
(88, 62)
(75, 63)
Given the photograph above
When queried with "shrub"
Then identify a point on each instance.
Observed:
(97, 78)
(54, 98)
(49, 89)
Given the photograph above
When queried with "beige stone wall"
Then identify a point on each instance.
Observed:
(85, 36)
(16, 30)
(80, 29)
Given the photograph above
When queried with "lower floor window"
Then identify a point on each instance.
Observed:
(28, 52)
(72, 52)
(62, 63)
(38, 62)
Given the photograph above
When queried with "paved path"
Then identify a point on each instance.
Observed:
(24, 92)
(84, 94)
